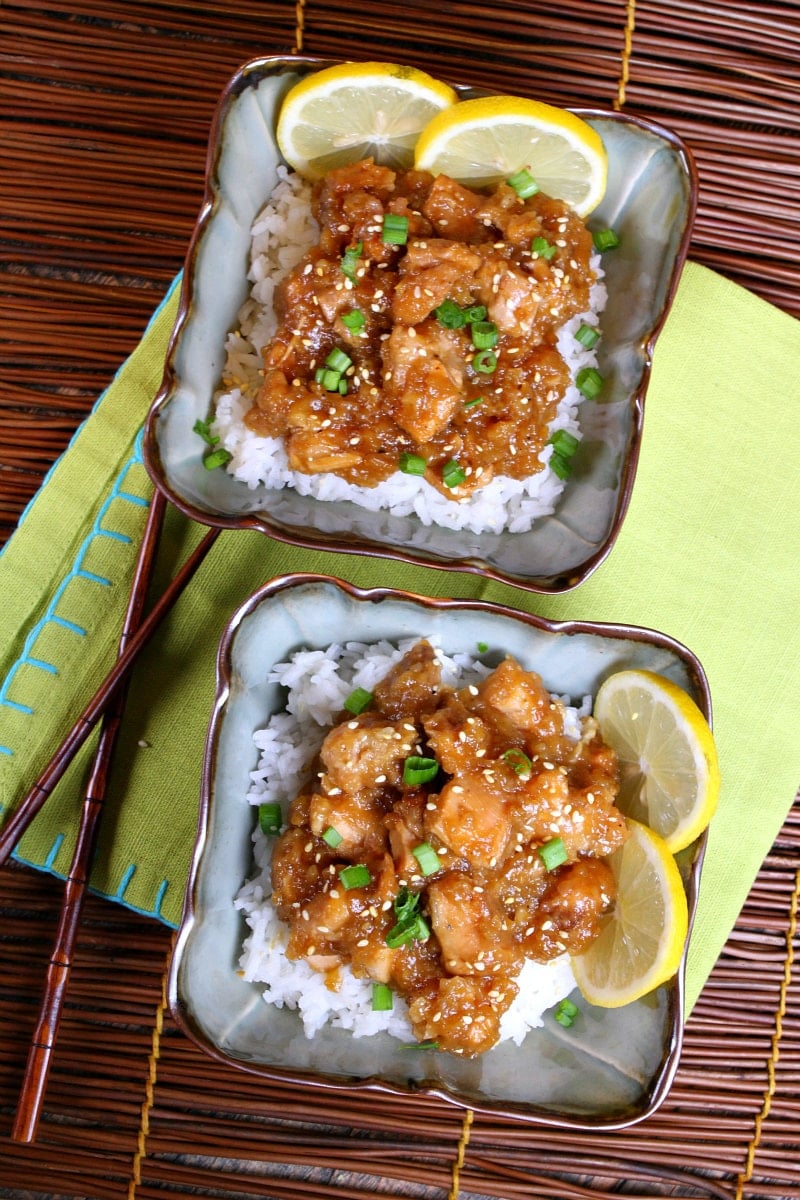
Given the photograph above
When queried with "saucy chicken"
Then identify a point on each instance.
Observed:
(420, 333)
(448, 836)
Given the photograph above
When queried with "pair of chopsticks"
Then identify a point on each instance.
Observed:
(107, 703)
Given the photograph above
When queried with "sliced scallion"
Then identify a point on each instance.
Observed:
(337, 360)
(484, 334)
(605, 239)
(358, 700)
(475, 312)
(415, 929)
(395, 229)
(543, 249)
(354, 320)
(468, 404)
(381, 997)
(355, 876)
(588, 336)
(483, 647)
(217, 458)
(518, 760)
(453, 475)
(411, 464)
(589, 382)
(523, 183)
(417, 769)
(565, 1012)
(350, 260)
(270, 817)
(485, 361)
(332, 837)
(450, 315)
(203, 430)
(428, 859)
(553, 853)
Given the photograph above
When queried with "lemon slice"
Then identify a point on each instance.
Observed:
(354, 110)
(668, 760)
(641, 944)
(483, 141)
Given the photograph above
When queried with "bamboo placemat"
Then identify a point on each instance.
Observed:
(104, 113)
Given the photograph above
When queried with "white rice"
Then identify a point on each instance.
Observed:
(282, 233)
(318, 682)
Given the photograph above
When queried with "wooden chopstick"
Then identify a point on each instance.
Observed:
(37, 1067)
(21, 818)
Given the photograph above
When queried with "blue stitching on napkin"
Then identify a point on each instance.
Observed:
(54, 849)
(160, 894)
(44, 666)
(10, 752)
(70, 625)
(126, 878)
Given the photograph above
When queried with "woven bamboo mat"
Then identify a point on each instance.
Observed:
(104, 112)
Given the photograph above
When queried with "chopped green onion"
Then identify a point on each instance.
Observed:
(483, 647)
(358, 700)
(468, 404)
(475, 312)
(523, 184)
(605, 239)
(412, 464)
(485, 361)
(406, 903)
(332, 837)
(564, 442)
(430, 1045)
(381, 998)
(418, 770)
(354, 320)
(350, 260)
(355, 876)
(450, 315)
(217, 458)
(203, 430)
(342, 388)
(560, 466)
(589, 382)
(553, 853)
(395, 229)
(544, 249)
(337, 360)
(588, 336)
(270, 817)
(484, 334)
(565, 1012)
(453, 475)
(428, 859)
(330, 380)
(416, 929)
(518, 760)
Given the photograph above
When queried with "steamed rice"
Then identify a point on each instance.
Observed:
(318, 682)
(282, 234)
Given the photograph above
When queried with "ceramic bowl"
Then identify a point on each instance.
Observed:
(610, 1069)
(649, 201)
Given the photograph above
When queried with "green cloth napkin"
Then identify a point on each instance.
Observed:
(709, 553)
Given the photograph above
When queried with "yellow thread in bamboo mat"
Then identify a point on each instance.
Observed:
(152, 1073)
(627, 49)
(775, 1050)
(462, 1150)
(300, 25)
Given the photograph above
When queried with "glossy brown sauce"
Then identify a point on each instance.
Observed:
(414, 385)
(509, 784)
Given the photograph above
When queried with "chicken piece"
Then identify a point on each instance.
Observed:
(430, 272)
(366, 754)
(456, 735)
(454, 210)
(299, 869)
(473, 934)
(411, 686)
(406, 829)
(461, 1015)
(548, 807)
(424, 377)
(471, 818)
(512, 298)
(521, 697)
(569, 914)
(347, 194)
(357, 818)
(313, 451)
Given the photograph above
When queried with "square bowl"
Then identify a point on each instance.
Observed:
(611, 1068)
(650, 201)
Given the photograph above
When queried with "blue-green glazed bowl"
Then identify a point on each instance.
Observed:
(650, 201)
(610, 1069)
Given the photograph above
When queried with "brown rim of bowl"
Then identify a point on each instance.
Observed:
(353, 543)
(664, 1075)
